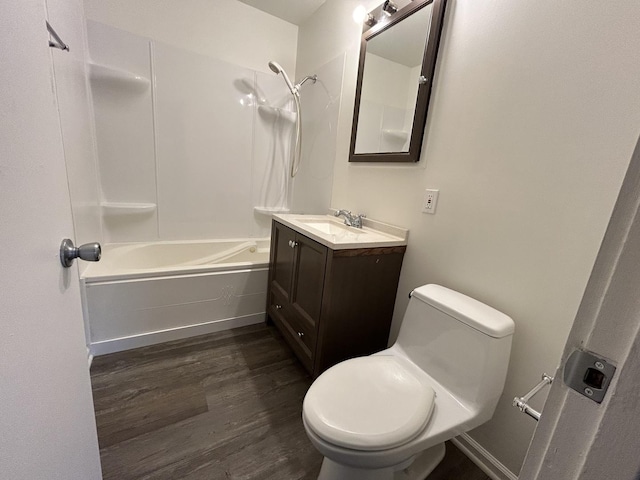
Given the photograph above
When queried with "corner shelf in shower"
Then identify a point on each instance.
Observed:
(117, 78)
(273, 113)
(270, 210)
(114, 209)
(396, 134)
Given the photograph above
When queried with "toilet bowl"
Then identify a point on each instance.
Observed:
(386, 416)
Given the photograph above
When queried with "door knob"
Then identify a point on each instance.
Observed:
(90, 252)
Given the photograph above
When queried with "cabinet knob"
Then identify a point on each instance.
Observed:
(300, 334)
(278, 307)
(293, 244)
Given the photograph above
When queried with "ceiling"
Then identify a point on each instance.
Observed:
(293, 11)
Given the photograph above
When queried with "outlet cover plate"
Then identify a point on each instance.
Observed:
(430, 201)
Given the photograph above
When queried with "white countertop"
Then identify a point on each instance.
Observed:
(331, 231)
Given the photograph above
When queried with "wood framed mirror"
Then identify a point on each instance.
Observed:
(395, 76)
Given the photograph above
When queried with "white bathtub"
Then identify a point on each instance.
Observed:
(142, 294)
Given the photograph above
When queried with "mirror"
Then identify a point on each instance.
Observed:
(397, 63)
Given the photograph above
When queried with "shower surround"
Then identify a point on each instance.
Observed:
(185, 137)
(193, 150)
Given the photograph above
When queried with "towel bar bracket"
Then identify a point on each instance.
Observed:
(522, 403)
(58, 43)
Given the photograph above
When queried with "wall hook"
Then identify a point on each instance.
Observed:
(58, 41)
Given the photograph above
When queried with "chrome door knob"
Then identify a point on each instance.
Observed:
(90, 252)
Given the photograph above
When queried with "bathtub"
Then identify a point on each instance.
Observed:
(141, 294)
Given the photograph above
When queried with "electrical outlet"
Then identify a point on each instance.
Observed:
(430, 201)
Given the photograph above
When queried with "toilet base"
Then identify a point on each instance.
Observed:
(422, 466)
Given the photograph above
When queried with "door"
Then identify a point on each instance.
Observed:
(47, 422)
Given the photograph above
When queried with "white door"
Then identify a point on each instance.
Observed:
(47, 425)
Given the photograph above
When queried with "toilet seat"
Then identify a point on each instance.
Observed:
(368, 403)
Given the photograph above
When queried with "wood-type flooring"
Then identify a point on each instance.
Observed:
(222, 406)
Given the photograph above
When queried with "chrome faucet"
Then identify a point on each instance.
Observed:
(350, 219)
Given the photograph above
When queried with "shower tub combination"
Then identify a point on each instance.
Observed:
(143, 294)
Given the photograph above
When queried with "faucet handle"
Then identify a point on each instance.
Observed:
(357, 220)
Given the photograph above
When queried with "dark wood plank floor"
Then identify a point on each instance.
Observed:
(221, 406)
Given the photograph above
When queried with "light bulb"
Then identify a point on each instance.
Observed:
(359, 14)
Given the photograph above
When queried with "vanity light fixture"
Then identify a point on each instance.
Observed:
(370, 20)
(360, 15)
(389, 8)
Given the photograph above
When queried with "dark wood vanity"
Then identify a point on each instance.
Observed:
(330, 305)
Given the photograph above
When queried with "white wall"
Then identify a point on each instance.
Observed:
(225, 29)
(566, 445)
(534, 115)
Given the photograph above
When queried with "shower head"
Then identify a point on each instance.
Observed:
(276, 68)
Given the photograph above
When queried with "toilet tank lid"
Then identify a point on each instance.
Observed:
(476, 314)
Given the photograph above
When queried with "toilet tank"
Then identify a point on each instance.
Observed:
(460, 342)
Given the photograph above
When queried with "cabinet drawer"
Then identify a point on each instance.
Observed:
(301, 340)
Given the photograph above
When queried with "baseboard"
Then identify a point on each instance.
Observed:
(151, 338)
(482, 458)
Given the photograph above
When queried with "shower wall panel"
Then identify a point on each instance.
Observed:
(387, 105)
(320, 109)
(205, 142)
(123, 112)
(204, 137)
(273, 143)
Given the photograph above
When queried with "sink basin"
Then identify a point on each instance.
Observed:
(330, 227)
(333, 233)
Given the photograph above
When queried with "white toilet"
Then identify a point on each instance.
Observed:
(386, 416)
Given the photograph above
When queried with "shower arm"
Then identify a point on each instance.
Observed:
(313, 78)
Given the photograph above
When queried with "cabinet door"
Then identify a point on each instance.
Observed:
(308, 280)
(283, 256)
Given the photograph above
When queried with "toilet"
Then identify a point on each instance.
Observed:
(387, 416)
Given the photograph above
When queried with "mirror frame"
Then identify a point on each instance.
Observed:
(424, 90)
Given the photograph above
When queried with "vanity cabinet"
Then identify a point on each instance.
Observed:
(328, 304)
